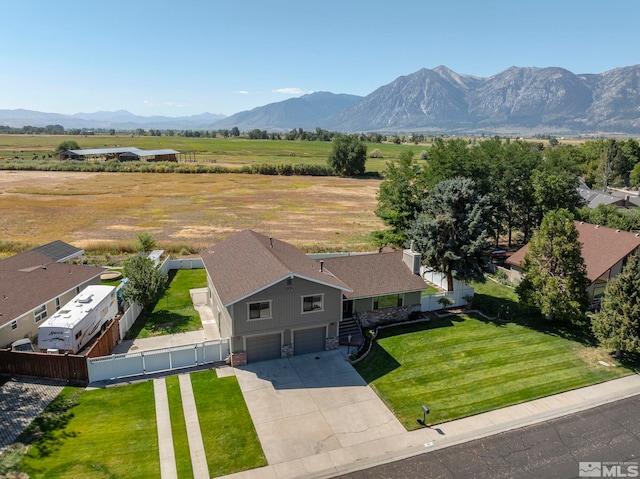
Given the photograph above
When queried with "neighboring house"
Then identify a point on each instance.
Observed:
(35, 284)
(604, 251)
(594, 198)
(274, 301)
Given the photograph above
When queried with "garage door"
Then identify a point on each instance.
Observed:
(262, 348)
(308, 341)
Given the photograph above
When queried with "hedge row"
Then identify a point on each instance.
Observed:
(116, 166)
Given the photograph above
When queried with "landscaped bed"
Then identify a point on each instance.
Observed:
(465, 365)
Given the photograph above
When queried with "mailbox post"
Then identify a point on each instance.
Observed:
(425, 411)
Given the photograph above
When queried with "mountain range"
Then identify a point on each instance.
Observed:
(518, 100)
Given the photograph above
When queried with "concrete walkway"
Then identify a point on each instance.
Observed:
(194, 435)
(400, 445)
(165, 437)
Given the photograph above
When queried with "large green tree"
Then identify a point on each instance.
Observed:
(67, 145)
(400, 198)
(451, 230)
(554, 274)
(617, 325)
(145, 282)
(348, 155)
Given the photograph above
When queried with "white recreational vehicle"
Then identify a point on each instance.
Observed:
(78, 321)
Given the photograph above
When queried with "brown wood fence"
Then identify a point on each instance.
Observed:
(72, 367)
(106, 342)
(59, 366)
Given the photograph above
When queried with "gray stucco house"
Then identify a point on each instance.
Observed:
(274, 301)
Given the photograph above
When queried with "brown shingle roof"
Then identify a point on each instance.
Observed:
(248, 262)
(29, 279)
(602, 248)
(375, 274)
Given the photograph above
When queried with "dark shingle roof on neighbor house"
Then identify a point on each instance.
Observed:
(30, 279)
(602, 248)
(248, 262)
(375, 274)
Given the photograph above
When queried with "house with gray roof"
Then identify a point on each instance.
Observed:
(274, 301)
(34, 285)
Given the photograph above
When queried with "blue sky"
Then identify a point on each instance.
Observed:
(179, 58)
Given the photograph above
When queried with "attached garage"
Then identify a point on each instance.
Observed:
(309, 341)
(261, 348)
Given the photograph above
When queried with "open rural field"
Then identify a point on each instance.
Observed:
(232, 152)
(314, 213)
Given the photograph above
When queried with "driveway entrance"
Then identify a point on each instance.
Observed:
(310, 404)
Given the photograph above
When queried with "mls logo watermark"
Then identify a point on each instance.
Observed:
(608, 469)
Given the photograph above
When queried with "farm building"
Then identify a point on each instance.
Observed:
(130, 153)
(35, 284)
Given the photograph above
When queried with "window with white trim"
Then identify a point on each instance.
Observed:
(259, 310)
(312, 303)
(57, 304)
(40, 313)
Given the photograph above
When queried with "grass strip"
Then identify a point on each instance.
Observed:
(179, 429)
(230, 440)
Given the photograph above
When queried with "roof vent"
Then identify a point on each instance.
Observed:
(617, 231)
(597, 226)
(270, 241)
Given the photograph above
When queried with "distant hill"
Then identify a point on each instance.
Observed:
(519, 99)
(120, 120)
(307, 112)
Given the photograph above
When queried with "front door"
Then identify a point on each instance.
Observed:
(347, 308)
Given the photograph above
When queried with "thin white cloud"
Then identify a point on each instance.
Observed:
(176, 105)
(241, 92)
(148, 103)
(292, 91)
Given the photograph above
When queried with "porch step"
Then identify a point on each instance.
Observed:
(349, 327)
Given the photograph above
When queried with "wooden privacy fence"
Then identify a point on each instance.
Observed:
(59, 366)
(152, 361)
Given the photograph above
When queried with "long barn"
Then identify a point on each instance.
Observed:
(130, 153)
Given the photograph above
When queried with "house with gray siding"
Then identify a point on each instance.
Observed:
(274, 301)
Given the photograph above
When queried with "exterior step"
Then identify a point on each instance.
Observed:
(350, 327)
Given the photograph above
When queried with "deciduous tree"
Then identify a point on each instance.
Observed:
(348, 155)
(145, 282)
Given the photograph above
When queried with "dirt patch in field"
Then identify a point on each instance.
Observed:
(315, 213)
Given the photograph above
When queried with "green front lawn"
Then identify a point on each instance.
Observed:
(465, 365)
(174, 312)
(112, 432)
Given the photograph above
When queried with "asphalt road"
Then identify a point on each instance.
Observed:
(609, 433)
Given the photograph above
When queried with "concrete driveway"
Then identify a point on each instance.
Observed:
(310, 404)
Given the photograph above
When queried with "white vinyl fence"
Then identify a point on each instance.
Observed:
(458, 297)
(129, 317)
(189, 263)
(141, 363)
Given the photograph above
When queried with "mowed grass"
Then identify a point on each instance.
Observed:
(230, 440)
(112, 433)
(464, 365)
(174, 312)
(233, 152)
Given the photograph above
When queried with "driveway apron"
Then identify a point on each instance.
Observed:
(311, 404)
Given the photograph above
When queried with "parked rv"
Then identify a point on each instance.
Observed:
(77, 322)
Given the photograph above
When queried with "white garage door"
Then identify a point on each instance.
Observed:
(308, 341)
(261, 348)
